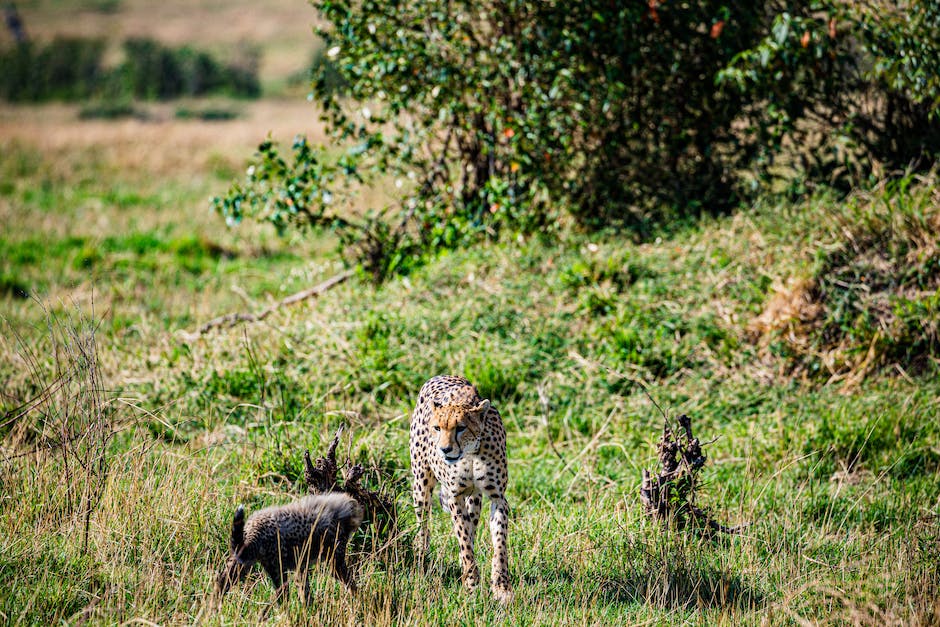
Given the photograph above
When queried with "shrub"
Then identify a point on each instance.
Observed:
(67, 68)
(609, 110)
(154, 71)
(516, 116)
(71, 69)
(848, 91)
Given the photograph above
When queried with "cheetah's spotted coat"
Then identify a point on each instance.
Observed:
(458, 440)
(291, 537)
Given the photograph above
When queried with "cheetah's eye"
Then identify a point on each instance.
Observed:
(461, 428)
(437, 427)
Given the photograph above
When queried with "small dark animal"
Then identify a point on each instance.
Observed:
(313, 529)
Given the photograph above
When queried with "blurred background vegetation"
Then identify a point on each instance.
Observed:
(73, 69)
(733, 205)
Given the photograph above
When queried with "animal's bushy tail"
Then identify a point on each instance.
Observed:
(238, 529)
(354, 516)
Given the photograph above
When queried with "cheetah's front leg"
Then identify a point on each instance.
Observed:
(463, 529)
(424, 483)
(499, 532)
(474, 505)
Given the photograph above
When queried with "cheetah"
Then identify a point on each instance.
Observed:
(458, 440)
(290, 537)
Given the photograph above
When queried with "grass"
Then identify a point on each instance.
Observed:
(839, 484)
(830, 455)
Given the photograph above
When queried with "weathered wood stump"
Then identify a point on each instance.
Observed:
(669, 496)
(322, 476)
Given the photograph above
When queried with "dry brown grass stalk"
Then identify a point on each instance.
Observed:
(230, 320)
(67, 428)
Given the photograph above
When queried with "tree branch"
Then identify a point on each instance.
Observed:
(230, 320)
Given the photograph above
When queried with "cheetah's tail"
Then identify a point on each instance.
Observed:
(238, 528)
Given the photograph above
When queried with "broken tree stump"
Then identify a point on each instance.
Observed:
(379, 508)
(669, 496)
(321, 476)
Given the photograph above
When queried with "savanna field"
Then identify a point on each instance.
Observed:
(800, 335)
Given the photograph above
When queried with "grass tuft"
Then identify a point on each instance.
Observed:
(823, 399)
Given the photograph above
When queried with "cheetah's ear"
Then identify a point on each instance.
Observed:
(482, 408)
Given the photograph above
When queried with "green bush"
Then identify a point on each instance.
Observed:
(848, 91)
(154, 71)
(67, 68)
(71, 69)
(509, 113)
(524, 114)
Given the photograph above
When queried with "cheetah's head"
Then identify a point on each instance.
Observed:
(458, 429)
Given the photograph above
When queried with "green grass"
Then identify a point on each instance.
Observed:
(837, 478)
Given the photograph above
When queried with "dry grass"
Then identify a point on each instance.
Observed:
(161, 147)
(840, 487)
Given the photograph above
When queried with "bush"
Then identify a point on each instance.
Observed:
(68, 68)
(507, 114)
(848, 92)
(71, 69)
(625, 115)
(154, 71)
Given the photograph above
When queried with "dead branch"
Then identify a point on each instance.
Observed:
(321, 476)
(670, 495)
(376, 505)
(230, 320)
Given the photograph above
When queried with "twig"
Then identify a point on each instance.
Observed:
(230, 320)
(321, 477)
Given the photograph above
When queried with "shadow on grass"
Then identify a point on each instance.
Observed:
(661, 577)
(683, 587)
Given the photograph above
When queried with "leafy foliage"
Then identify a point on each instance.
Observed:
(522, 114)
(607, 110)
(848, 91)
(302, 193)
